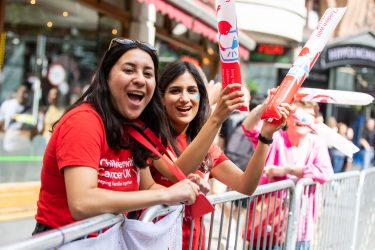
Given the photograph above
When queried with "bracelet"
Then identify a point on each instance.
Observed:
(264, 139)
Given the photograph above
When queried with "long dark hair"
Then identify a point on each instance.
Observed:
(170, 73)
(99, 96)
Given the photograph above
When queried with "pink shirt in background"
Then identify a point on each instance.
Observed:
(312, 155)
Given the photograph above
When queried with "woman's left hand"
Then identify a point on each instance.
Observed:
(203, 185)
(285, 110)
(275, 171)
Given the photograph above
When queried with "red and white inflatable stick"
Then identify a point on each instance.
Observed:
(227, 38)
(333, 96)
(303, 64)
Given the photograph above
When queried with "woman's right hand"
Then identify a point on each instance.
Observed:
(228, 101)
(184, 191)
(204, 186)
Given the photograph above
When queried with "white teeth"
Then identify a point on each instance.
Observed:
(184, 109)
(136, 93)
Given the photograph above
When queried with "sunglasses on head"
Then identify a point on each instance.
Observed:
(126, 41)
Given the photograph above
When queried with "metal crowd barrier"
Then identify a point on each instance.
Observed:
(277, 214)
(58, 237)
(231, 230)
(335, 222)
(364, 237)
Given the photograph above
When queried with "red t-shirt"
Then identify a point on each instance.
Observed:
(79, 139)
(216, 156)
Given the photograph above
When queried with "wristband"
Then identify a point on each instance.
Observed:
(264, 139)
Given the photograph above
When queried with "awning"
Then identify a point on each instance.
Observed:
(198, 19)
(358, 49)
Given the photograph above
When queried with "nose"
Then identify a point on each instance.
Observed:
(139, 79)
(184, 97)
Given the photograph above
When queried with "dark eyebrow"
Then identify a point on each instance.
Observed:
(193, 86)
(128, 64)
(134, 65)
(174, 87)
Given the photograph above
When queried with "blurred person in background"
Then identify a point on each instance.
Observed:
(366, 143)
(332, 123)
(52, 114)
(294, 153)
(350, 133)
(340, 162)
(319, 118)
(350, 137)
(16, 121)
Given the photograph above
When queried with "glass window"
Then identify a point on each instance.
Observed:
(54, 32)
(59, 42)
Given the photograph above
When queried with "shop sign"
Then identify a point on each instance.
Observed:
(271, 53)
(350, 54)
(270, 49)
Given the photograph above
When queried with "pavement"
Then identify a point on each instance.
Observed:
(14, 231)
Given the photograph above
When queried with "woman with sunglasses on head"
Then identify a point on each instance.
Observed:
(186, 103)
(91, 166)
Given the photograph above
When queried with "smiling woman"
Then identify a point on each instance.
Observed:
(186, 103)
(132, 83)
(91, 165)
(182, 99)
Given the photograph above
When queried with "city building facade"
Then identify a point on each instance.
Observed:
(37, 35)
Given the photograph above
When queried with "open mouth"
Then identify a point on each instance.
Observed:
(183, 109)
(136, 96)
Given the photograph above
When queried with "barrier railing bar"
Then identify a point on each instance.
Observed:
(159, 210)
(211, 229)
(58, 237)
(229, 228)
(295, 203)
(239, 207)
(246, 222)
(221, 223)
(358, 207)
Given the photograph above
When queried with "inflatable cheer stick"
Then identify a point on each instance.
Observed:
(333, 96)
(227, 38)
(303, 64)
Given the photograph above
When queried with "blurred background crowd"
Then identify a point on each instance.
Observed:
(48, 51)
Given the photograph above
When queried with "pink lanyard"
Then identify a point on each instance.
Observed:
(201, 205)
(140, 138)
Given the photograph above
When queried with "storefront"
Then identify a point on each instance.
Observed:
(187, 30)
(269, 64)
(351, 64)
(278, 29)
(38, 34)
